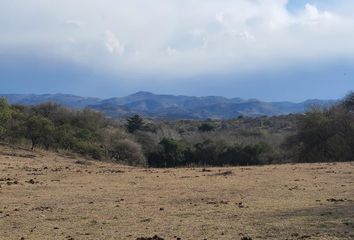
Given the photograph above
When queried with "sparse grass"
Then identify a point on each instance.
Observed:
(66, 200)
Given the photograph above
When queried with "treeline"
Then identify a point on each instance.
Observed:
(320, 135)
(172, 153)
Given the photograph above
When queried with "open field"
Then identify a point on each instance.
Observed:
(48, 196)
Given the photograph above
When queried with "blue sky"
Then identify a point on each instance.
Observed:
(270, 49)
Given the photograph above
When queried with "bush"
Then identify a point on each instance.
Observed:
(127, 151)
(243, 155)
(90, 150)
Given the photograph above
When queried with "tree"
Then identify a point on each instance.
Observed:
(170, 153)
(206, 127)
(134, 123)
(208, 152)
(324, 135)
(39, 130)
(348, 102)
(5, 116)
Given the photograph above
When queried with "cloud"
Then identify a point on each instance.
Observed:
(113, 45)
(179, 38)
(171, 51)
(313, 16)
(220, 18)
(75, 23)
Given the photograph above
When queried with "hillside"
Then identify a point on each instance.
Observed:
(172, 107)
(63, 99)
(49, 196)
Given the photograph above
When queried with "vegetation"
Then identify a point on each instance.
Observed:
(206, 127)
(325, 135)
(320, 135)
(53, 127)
(135, 123)
(172, 153)
(5, 116)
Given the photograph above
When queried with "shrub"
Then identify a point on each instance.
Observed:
(91, 150)
(127, 151)
(243, 155)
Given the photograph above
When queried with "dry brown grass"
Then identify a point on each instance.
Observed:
(48, 196)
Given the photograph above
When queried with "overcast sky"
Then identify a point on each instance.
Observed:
(266, 49)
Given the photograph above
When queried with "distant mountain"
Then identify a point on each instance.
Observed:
(170, 106)
(63, 99)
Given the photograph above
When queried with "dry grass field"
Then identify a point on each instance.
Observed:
(49, 196)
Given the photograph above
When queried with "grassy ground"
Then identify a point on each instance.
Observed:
(48, 196)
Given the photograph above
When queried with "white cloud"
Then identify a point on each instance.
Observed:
(171, 51)
(313, 16)
(178, 37)
(246, 35)
(75, 23)
(220, 18)
(113, 45)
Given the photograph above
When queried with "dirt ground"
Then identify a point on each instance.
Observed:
(49, 196)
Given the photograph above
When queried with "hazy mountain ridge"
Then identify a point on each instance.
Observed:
(67, 100)
(170, 106)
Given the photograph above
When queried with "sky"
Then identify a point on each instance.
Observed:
(267, 49)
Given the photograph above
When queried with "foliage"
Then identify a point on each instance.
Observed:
(85, 132)
(134, 123)
(206, 127)
(39, 130)
(348, 102)
(5, 116)
(127, 151)
(173, 153)
(320, 135)
(324, 135)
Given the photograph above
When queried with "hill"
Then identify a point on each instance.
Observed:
(170, 106)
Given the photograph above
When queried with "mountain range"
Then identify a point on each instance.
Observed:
(169, 106)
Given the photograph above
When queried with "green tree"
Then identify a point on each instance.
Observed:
(39, 130)
(173, 152)
(169, 153)
(134, 123)
(5, 116)
(206, 127)
(208, 152)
